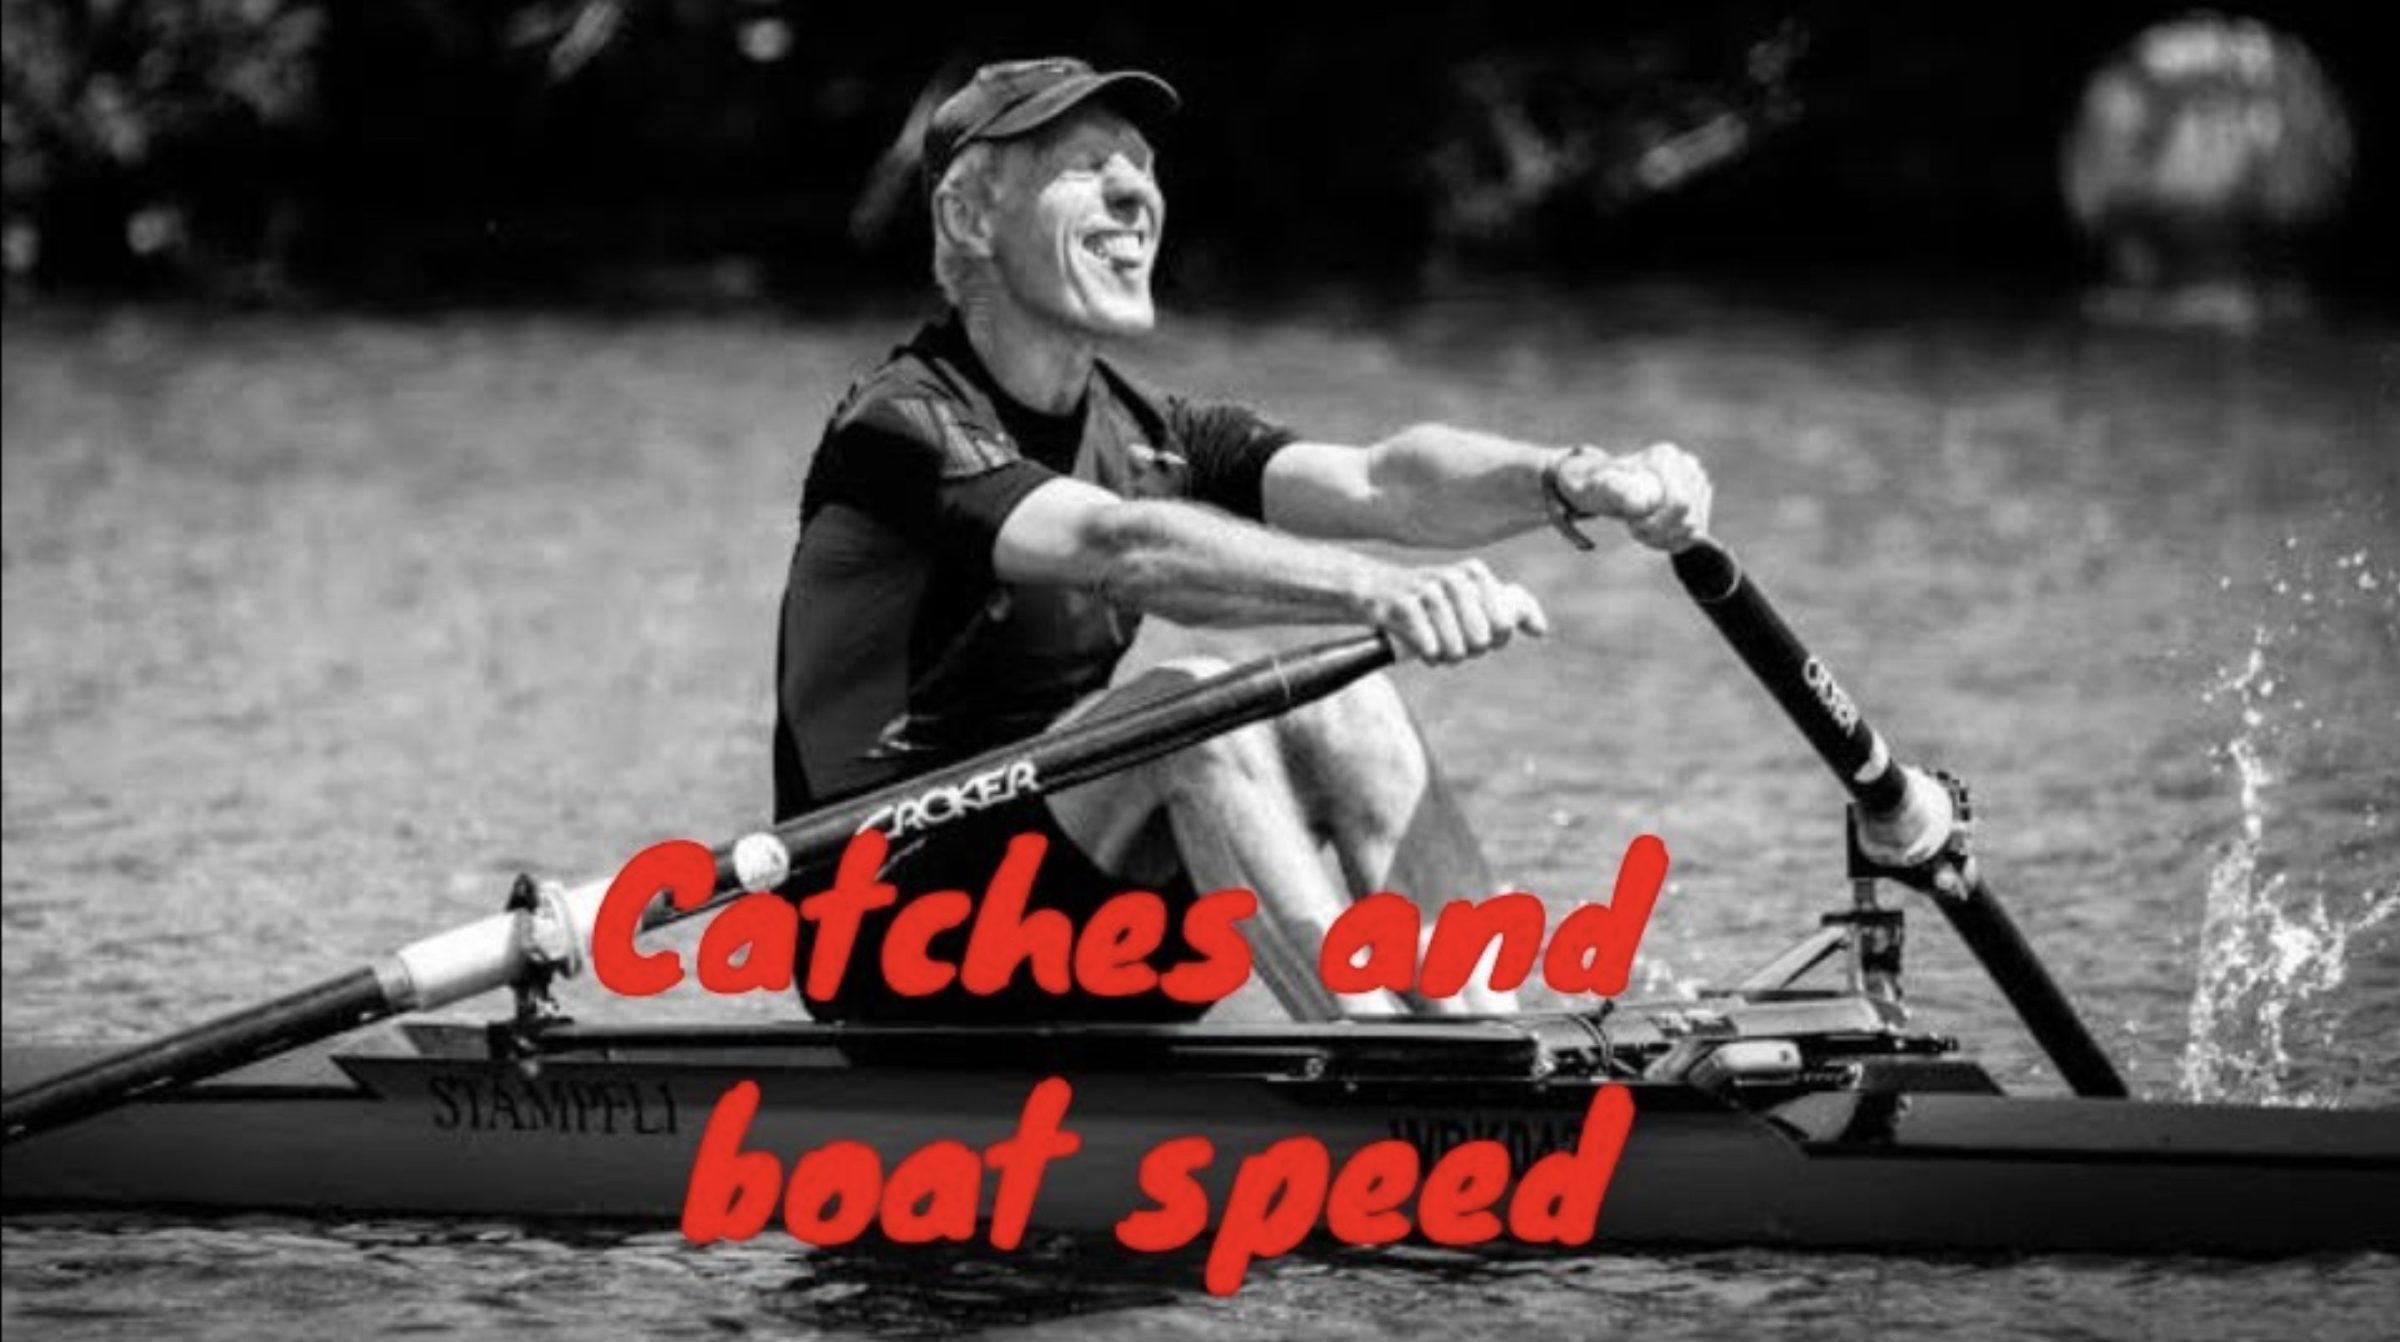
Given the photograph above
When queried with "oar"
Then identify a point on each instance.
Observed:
(1832, 722)
(491, 952)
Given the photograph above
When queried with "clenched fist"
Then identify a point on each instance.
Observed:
(1660, 493)
(1450, 612)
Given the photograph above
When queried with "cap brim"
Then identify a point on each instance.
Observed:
(1146, 99)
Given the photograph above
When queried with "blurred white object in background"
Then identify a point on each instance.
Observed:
(2207, 158)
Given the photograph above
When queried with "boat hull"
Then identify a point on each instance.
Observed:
(437, 1126)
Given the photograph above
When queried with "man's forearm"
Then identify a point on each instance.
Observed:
(1197, 566)
(1440, 486)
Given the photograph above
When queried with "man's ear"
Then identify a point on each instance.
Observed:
(963, 225)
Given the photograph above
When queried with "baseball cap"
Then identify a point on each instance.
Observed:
(1012, 97)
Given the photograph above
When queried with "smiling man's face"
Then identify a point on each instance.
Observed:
(1076, 232)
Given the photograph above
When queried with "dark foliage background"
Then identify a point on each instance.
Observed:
(422, 150)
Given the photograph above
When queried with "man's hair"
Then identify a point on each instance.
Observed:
(978, 176)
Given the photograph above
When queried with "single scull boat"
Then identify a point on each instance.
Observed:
(1769, 1113)
(1762, 1117)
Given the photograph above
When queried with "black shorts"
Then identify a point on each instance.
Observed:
(963, 857)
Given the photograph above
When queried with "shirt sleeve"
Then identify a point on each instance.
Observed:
(916, 466)
(1228, 447)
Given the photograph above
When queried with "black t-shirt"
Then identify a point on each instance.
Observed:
(900, 648)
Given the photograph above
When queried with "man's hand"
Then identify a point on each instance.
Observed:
(1661, 493)
(1450, 612)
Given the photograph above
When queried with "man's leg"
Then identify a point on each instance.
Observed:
(1224, 812)
(1358, 760)
(1250, 808)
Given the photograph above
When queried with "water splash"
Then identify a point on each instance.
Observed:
(2273, 952)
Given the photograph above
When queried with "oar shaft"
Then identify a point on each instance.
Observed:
(210, 1049)
(1983, 922)
(1816, 702)
(489, 953)
(1832, 722)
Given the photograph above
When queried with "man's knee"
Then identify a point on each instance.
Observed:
(1195, 666)
(1364, 730)
(1337, 754)
(1249, 758)
(1357, 762)
(1246, 757)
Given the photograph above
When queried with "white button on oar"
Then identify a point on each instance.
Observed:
(761, 861)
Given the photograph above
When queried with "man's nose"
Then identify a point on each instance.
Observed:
(1128, 185)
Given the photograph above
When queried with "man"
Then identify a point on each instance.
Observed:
(991, 513)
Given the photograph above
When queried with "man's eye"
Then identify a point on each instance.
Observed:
(1096, 163)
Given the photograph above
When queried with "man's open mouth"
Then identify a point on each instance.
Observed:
(1123, 248)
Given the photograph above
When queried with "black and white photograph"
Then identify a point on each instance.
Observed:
(702, 668)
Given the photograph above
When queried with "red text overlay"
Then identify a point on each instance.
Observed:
(1357, 1189)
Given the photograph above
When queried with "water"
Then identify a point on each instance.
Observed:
(2274, 950)
(260, 1280)
(318, 629)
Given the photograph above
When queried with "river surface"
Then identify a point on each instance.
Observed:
(318, 629)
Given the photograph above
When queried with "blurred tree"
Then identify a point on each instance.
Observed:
(1545, 144)
(2207, 160)
(153, 138)
(425, 150)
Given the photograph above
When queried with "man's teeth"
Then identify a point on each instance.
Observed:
(1117, 246)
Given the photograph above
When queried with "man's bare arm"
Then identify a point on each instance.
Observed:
(1436, 486)
(1197, 566)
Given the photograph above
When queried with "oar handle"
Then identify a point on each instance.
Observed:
(492, 952)
(1858, 756)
